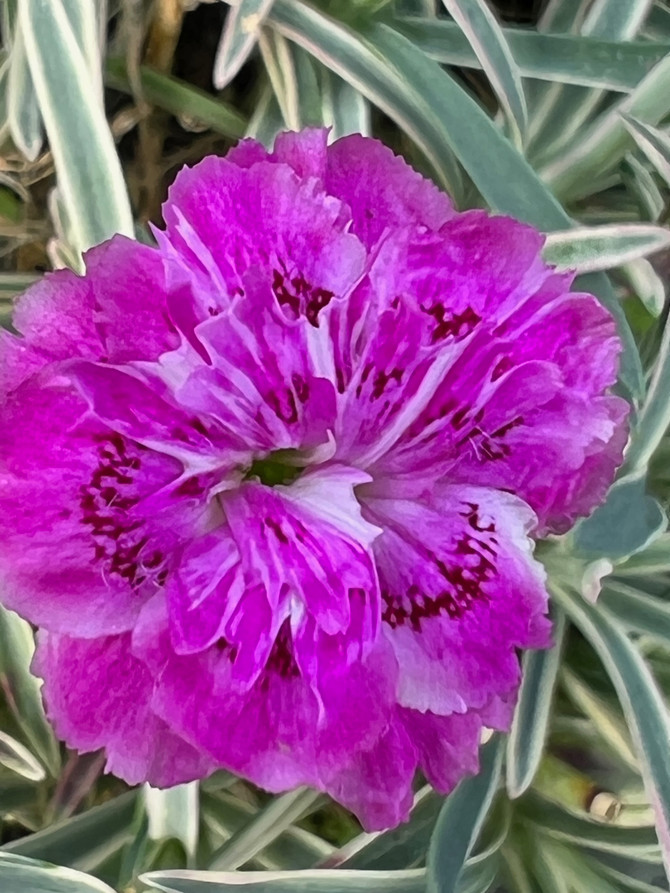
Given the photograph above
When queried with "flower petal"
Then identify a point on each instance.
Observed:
(98, 695)
(89, 520)
(461, 592)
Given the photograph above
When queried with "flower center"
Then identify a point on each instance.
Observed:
(276, 468)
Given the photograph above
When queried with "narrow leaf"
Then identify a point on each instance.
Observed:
(179, 98)
(238, 38)
(573, 174)
(174, 813)
(17, 647)
(556, 58)
(654, 416)
(264, 827)
(646, 284)
(319, 881)
(642, 702)
(529, 728)
(23, 111)
(655, 144)
(23, 876)
(87, 167)
(461, 820)
(490, 46)
(594, 248)
(19, 759)
(638, 611)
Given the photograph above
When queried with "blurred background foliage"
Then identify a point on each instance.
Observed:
(554, 111)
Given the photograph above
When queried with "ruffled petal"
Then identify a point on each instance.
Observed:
(283, 731)
(381, 189)
(89, 519)
(259, 383)
(224, 220)
(98, 695)
(300, 558)
(460, 590)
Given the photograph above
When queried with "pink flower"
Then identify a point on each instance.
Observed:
(268, 489)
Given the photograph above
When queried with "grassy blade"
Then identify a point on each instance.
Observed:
(238, 39)
(87, 167)
(637, 610)
(345, 109)
(557, 58)
(461, 820)
(23, 111)
(22, 876)
(594, 248)
(490, 46)
(319, 881)
(179, 98)
(264, 827)
(653, 142)
(603, 145)
(642, 703)
(646, 284)
(83, 841)
(654, 416)
(573, 106)
(529, 729)
(542, 814)
(174, 813)
(23, 690)
(19, 759)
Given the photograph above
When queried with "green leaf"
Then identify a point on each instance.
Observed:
(319, 881)
(294, 848)
(174, 813)
(604, 143)
(531, 718)
(238, 38)
(179, 98)
(646, 284)
(563, 58)
(25, 876)
(606, 720)
(345, 109)
(591, 249)
(655, 144)
(572, 107)
(654, 417)
(627, 522)
(83, 841)
(401, 847)
(88, 171)
(17, 647)
(641, 700)
(265, 827)
(602, 837)
(460, 821)
(19, 759)
(23, 111)
(490, 46)
(637, 610)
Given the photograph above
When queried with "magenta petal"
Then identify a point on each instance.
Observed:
(461, 593)
(98, 696)
(381, 189)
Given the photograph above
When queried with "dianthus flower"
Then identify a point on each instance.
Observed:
(269, 489)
